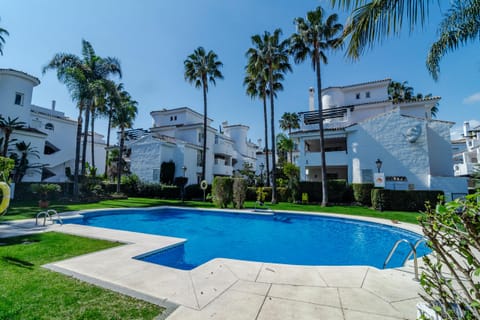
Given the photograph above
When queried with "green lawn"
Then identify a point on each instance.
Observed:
(28, 291)
(22, 210)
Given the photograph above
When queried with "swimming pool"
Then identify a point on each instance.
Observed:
(279, 238)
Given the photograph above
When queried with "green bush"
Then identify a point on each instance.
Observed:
(338, 191)
(403, 200)
(46, 190)
(167, 172)
(362, 193)
(193, 191)
(222, 191)
(156, 190)
(239, 192)
(251, 194)
(130, 184)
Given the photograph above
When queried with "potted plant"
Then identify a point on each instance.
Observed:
(43, 190)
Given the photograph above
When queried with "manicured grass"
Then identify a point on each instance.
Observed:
(28, 291)
(22, 210)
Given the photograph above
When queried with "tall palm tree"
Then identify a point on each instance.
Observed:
(289, 121)
(123, 119)
(285, 146)
(269, 56)
(81, 76)
(313, 38)
(371, 21)
(3, 33)
(202, 68)
(8, 126)
(112, 102)
(257, 86)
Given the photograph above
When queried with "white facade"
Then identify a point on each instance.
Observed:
(48, 130)
(177, 135)
(362, 125)
(467, 152)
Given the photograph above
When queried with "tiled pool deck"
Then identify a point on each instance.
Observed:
(234, 289)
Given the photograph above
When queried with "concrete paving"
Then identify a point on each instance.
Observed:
(234, 289)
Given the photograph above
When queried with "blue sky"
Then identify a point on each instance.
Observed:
(152, 39)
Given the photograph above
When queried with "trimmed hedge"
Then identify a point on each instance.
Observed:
(338, 191)
(156, 190)
(403, 200)
(194, 191)
(362, 192)
(282, 194)
(239, 192)
(222, 191)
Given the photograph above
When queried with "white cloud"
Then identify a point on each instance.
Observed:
(472, 99)
(456, 132)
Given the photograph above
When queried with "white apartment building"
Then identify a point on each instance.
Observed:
(466, 152)
(48, 130)
(362, 126)
(177, 135)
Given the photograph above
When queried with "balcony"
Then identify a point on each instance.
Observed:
(463, 169)
(333, 158)
(221, 169)
(223, 148)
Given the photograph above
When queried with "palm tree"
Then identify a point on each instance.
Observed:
(400, 92)
(372, 21)
(3, 33)
(113, 100)
(289, 121)
(123, 119)
(81, 76)
(202, 68)
(22, 162)
(8, 126)
(314, 36)
(285, 145)
(257, 87)
(269, 57)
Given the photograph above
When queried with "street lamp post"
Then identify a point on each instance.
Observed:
(184, 168)
(378, 164)
(262, 166)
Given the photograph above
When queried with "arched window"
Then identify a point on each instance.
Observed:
(49, 126)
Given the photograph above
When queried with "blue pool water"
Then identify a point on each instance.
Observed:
(280, 238)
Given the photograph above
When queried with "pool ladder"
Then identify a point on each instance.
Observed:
(412, 251)
(48, 214)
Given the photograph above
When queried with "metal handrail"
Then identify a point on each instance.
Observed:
(45, 215)
(419, 241)
(414, 251)
(48, 214)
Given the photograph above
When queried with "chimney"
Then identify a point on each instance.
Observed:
(466, 128)
(311, 99)
(53, 104)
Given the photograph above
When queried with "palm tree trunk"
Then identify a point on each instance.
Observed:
(108, 141)
(291, 150)
(265, 119)
(6, 141)
(93, 142)
(272, 115)
(85, 139)
(204, 154)
(119, 161)
(77, 155)
(322, 137)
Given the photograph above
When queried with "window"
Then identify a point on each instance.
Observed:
(367, 94)
(49, 126)
(199, 158)
(19, 99)
(216, 139)
(156, 175)
(200, 137)
(357, 96)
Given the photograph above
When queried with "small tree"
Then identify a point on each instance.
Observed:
(451, 276)
(239, 192)
(6, 166)
(293, 174)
